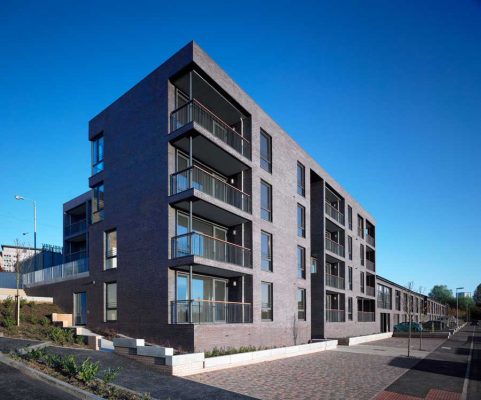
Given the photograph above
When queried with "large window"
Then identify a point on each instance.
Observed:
(266, 151)
(266, 201)
(111, 301)
(266, 306)
(98, 203)
(349, 247)
(301, 221)
(384, 295)
(266, 251)
(301, 179)
(97, 154)
(301, 304)
(301, 262)
(349, 217)
(111, 249)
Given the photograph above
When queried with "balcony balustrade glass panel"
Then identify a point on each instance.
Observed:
(335, 247)
(210, 312)
(365, 316)
(335, 315)
(335, 281)
(370, 265)
(58, 272)
(334, 213)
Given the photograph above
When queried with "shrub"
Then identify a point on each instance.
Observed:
(9, 322)
(8, 302)
(44, 321)
(110, 374)
(60, 335)
(88, 370)
(35, 355)
(69, 366)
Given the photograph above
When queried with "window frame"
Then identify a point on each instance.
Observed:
(270, 256)
(350, 311)
(269, 200)
(270, 304)
(301, 186)
(301, 267)
(268, 161)
(110, 259)
(349, 246)
(349, 217)
(301, 312)
(97, 150)
(97, 211)
(107, 308)
(350, 277)
(301, 229)
(362, 281)
(362, 254)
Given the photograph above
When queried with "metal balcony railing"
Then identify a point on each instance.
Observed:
(335, 281)
(334, 213)
(365, 316)
(335, 315)
(193, 111)
(370, 290)
(200, 179)
(370, 265)
(370, 240)
(210, 312)
(198, 244)
(335, 247)
(58, 272)
(76, 227)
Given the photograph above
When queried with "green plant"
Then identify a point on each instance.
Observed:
(110, 374)
(60, 335)
(44, 321)
(8, 302)
(9, 322)
(22, 302)
(35, 355)
(69, 366)
(88, 370)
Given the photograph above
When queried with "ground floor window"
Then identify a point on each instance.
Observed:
(301, 304)
(111, 301)
(266, 309)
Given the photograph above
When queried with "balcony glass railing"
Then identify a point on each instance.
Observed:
(198, 244)
(194, 111)
(370, 265)
(335, 247)
(335, 281)
(364, 316)
(335, 315)
(370, 291)
(210, 312)
(334, 213)
(370, 240)
(76, 227)
(58, 272)
(77, 255)
(198, 178)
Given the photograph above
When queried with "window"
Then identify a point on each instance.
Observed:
(266, 201)
(98, 203)
(360, 226)
(111, 301)
(349, 308)
(301, 262)
(266, 152)
(349, 247)
(111, 249)
(266, 251)
(362, 282)
(98, 154)
(361, 253)
(349, 216)
(384, 295)
(398, 300)
(301, 221)
(266, 306)
(301, 179)
(301, 304)
(350, 277)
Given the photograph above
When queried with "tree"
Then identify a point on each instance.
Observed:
(442, 294)
(477, 295)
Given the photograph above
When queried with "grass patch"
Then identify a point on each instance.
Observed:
(85, 374)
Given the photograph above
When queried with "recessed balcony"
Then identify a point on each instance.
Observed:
(201, 245)
(76, 228)
(366, 316)
(210, 312)
(334, 247)
(370, 265)
(335, 281)
(334, 213)
(202, 180)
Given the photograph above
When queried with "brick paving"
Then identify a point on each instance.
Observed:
(428, 344)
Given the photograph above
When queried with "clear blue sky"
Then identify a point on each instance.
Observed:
(385, 94)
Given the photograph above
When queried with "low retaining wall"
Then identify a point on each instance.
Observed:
(424, 334)
(350, 341)
(166, 362)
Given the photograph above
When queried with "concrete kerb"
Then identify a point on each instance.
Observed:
(24, 350)
(350, 341)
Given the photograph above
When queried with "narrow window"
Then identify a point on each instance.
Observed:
(301, 262)
(266, 306)
(111, 249)
(301, 179)
(349, 246)
(361, 253)
(350, 277)
(301, 221)
(266, 251)
(98, 203)
(362, 282)
(111, 301)
(266, 201)
(349, 308)
(360, 226)
(266, 152)
(98, 154)
(301, 304)
(349, 216)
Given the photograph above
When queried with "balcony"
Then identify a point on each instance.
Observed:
(333, 213)
(370, 265)
(195, 112)
(334, 247)
(366, 316)
(335, 281)
(370, 240)
(335, 315)
(210, 312)
(78, 255)
(198, 244)
(202, 180)
(370, 291)
(75, 228)
(70, 270)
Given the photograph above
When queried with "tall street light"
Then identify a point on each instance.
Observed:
(17, 197)
(457, 297)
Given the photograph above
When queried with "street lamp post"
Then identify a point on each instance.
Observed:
(457, 306)
(17, 197)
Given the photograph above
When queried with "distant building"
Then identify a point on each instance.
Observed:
(9, 255)
(464, 294)
(46, 257)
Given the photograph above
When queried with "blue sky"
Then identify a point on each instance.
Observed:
(385, 94)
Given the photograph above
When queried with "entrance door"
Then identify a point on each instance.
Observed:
(80, 308)
(385, 322)
(220, 298)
